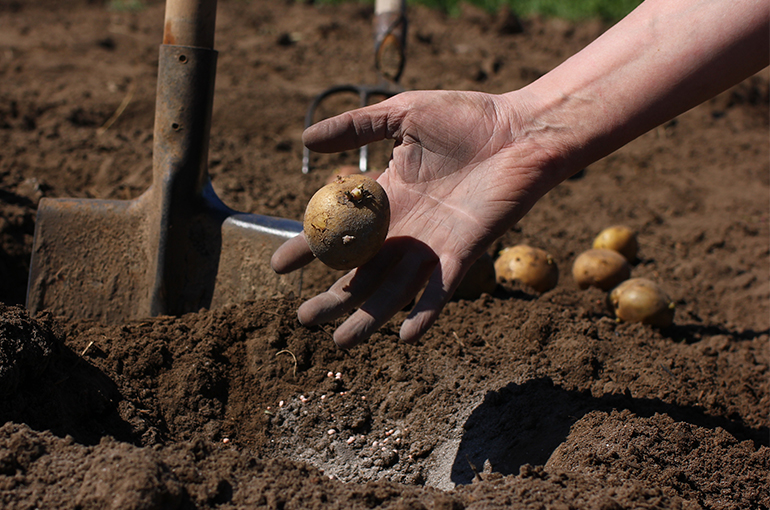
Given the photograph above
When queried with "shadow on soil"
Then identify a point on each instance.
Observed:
(524, 423)
(69, 398)
(693, 333)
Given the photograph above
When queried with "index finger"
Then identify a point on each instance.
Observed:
(292, 255)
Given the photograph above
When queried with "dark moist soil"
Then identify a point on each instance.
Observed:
(512, 400)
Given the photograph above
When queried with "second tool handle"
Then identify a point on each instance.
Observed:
(390, 38)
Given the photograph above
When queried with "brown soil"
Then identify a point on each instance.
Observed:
(512, 400)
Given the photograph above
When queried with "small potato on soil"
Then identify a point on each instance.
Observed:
(346, 221)
(642, 300)
(601, 268)
(531, 266)
(479, 279)
(620, 239)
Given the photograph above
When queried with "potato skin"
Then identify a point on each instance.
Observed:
(642, 300)
(479, 279)
(350, 170)
(620, 239)
(531, 266)
(346, 221)
(601, 268)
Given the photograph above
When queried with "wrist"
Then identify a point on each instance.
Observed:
(545, 131)
(658, 62)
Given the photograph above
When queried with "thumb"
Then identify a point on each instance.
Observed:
(350, 130)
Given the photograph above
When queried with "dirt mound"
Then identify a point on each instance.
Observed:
(512, 400)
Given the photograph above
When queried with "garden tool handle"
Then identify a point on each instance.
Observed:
(389, 37)
(190, 23)
(381, 6)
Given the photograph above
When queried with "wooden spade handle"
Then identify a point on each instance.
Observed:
(190, 23)
(382, 6)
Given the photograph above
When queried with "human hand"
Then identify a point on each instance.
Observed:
(466, 166)
(464, 169)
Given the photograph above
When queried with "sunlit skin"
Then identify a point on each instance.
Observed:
(467, 166)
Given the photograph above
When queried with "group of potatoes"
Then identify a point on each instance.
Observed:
(606, 266)
(347, 220)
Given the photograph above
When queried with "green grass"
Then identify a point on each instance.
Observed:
(608, 10)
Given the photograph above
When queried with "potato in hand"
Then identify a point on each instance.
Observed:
(346, 221)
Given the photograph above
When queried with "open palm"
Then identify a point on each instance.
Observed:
(460, 175)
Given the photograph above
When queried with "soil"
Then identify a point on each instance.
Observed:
(513, 399)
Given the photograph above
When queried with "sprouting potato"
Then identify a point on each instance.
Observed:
(620, 239)
(346, 221)
(531, 266)
(601, 268)
(642, 300)
(479, 279)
